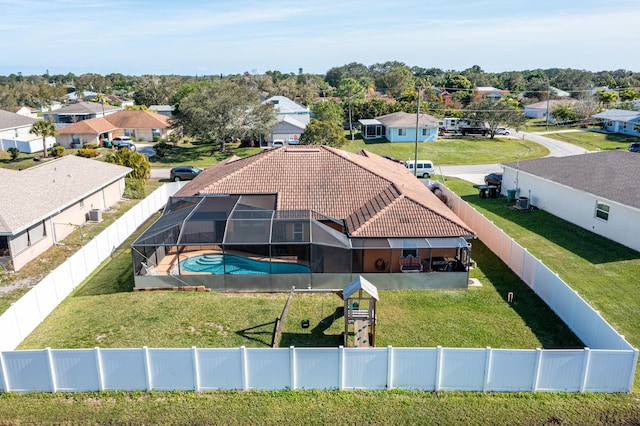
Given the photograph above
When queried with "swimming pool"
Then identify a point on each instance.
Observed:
(231, 264)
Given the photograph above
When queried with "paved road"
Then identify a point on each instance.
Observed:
(475, 173)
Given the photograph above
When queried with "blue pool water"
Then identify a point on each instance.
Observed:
(230, 264)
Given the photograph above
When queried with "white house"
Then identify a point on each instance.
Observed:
(14, 133)
(597, 191)
(540, 109)
(620, 121)
(292, 120)
(285, 107)
(400, 127)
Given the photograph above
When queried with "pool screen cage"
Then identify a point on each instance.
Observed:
(243, 225)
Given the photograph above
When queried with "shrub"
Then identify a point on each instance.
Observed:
(134, 188)
(156, 138)
(88, 152)
(56, 151)
(90, 145)
(162, 148)
(15, 152)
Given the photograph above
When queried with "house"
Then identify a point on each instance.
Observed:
(166, 110)
(285, 107)
(15, 133)
(141, 125)
(300, 216)
(540, 109)
(292, 119)
(287, 129)
(597, 191)
(61, 194)
(400, 127)
(73, 113)
(620, 121)
(26, 111)
(488, 92)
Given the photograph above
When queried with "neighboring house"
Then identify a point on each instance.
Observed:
(14, 133)
(596, 191)
(76, 112)
(400, 127)
(301, 216)
(620, 121)
(140, 125)
(50, 200)
(119, 100)
(492, 93)
(292, 120)
(166, 110)
(26, 111)
(540, 109)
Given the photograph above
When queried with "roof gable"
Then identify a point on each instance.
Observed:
(131, 119)
(11, 120)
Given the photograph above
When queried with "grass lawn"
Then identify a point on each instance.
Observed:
(594, 140)
(603, 272)
(200, 155)
(463, 150)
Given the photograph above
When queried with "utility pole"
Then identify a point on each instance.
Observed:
(415, 164)
(548, 95)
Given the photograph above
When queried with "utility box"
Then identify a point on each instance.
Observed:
(95, 215)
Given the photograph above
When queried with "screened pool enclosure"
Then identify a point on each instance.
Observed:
(242, 242)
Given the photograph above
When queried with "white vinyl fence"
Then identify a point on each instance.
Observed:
(606, 365)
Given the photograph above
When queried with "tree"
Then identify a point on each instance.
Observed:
(495, 114)
(563, 113)
(44, 129)
(223, 109)
(320, 132)
(141, 170)
(608, 98)
(328, 111)
(350, 89)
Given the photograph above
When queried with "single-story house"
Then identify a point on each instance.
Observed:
(26, 111)
(50, 200)
(597, 191)
(166, 110)
(292, 119)
(620, 121)
(400, 127)
(491, 93)
(301, 216)
(141, 125)
(15, 133)
(540, 109)
(287, 129)
(73, 113)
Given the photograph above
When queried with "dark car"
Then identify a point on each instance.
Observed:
(493, 179)
(634, 147)
(184, 173)
(395, 160)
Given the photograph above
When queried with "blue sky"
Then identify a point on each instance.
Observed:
(227, 37)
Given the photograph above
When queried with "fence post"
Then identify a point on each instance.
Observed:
(3, 370)
(147, 367)
(15, 315)
(438, 367)
(196, 368)
(633, 369)
(585, 368)
(52, 371)
(292, 366)
(341, 367)
(536, 370)
(98, 358)
(487, 368)
(389, 367)
(243, 361)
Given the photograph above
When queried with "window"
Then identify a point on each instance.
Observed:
(129, 132)
(424, 132)
(409, 252)
(602, 211)
(82, 203)
(75, 139)
(28, 238)
(402, 132)
(156, 133)
(298, 231)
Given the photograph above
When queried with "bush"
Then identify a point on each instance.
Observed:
(90, 145)
(56, 151)
(134, 188)
(162, 148)
(88, 152)
(14, 152)
(156, 138)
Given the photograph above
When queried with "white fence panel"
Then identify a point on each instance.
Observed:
(518, 255)
(268, 370)
(46, 296)
(26, 311)
(91, 255)
(27, 371)
(75, 370)
(462, 369)
(609, 371)
(171, 369)
(78, 269)
(565, 302)
(63, 280)
(10, 332)
(606, 337)
(495, 239)
(546, 282)
(561, 370)
(123, 369)
(220, 369)
(414, 368)
(317, 368)
(365, 368)
(529, 270)
(506, 247)
(511, 370)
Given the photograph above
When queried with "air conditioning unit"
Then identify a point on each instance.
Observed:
(95, 215)
(522, 203)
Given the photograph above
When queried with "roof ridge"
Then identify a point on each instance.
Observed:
(373, 217)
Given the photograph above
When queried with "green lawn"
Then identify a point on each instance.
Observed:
(201, 155)
(594, 140)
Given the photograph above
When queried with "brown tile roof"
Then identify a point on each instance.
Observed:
(374, 196)
(90, 126)
(138, 120)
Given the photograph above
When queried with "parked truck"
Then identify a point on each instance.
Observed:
(465, 126)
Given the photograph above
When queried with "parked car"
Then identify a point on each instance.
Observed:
(634, 147)
(119, 140)
(395, 160)
(502, 131)
(425, 168)
(277, 143)
(493, 179)
(183, 173)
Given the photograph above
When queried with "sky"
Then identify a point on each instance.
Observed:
(189, 37)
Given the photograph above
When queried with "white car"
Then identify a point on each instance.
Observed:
(502, 131)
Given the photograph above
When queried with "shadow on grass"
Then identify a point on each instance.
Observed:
(317, 338)
(582, 243)
(543, 322)
(257, 333)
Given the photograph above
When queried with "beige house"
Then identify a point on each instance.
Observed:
(15, 133)
(50, 200)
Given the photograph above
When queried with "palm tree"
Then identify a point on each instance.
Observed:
(44, 129)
